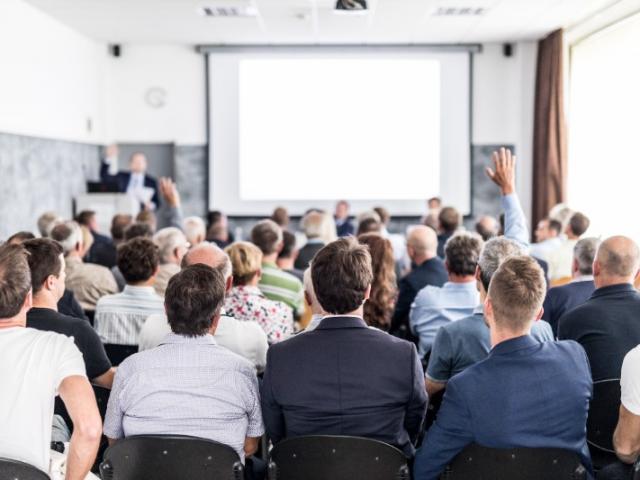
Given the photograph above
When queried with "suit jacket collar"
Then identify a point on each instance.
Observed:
(613, 290)
(514, 344)
(331, 323)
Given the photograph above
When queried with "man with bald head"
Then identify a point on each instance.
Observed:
(426, 269)
(608, 324)
(246, 339)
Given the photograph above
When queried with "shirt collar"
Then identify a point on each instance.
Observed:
(479, 310)
(583, 278)
(138, 290)
(332, 322)
(461, 286)
(613, 289)
(248, 289)
(176, 339)
(514, 344)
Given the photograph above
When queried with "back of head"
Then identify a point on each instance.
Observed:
(86, 218)
(341, 273)
(46, 222)
(148, 217)
(119, 223)
(461, 253)
(20, 237)
(169, 240)
(487, 227)
(584, 254)
(561, 213)
(246, 260)
(383, 213)
(288, 244)
(618, 260)
(44, 260)
(423, 240)
(211, 255)
(494, 252)
(578, 224)
(368, 225)
(67, 234)
(431, 220)
(281, 216)
(194, 296)
(312, 224)
(381, 253)
(555, 227)
(379, 308)
(449, 219)
(267, 236)
(15, 280)
(138, 260)
(194, 229)
(516, 293)
(138, 229)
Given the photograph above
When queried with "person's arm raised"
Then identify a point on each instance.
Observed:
(78, 398)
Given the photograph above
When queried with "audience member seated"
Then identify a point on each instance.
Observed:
(119, 317)
(134, 230)
(434, 306)
(46, 262)
(344, 227)
(548, 239)
(280, 215)
(275, 283)
(375, 390)
(88, 282)
(148, 217)
(607, 324)
(246, 303)
(311, 225)
(46, 222)
(561, 259)
(368, 222)
(195, 230)
(431, 220)
(36, 366)
(561, 299)
(102, 245)
(20, 237)
(398, 242)
(378, 309)
(487, 227)
(524, 394)
(218, 229)
(426, 269)
(462, 343)
(189, 385)
(104, 253)
(449, 221)
(288, 254)
(172, 245)
(244, 338)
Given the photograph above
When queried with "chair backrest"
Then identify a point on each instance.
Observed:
(603, 414)
(118, 353)
(170, 457)
(435, 401)
(482, 463)
(321, 457)
(15, 470)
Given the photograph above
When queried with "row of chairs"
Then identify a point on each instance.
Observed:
(149, 457)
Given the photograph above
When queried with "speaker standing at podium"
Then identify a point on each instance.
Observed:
(135, 181)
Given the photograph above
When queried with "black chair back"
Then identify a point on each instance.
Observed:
(636, 470)
(118, 353)
(15, 470)
(482, 463)
(170, 457)
(603, 414)
(332, 457)
(435, 401)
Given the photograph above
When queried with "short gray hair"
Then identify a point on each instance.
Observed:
(68, 235)
(46, 222)
(584, 253)
(312, 224)
(167, 240)
(496, 251)
(194, 227)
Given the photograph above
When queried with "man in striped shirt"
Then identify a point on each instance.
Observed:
(120, 317)
(276, 284)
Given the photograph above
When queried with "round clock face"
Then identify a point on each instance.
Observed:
(156, 97)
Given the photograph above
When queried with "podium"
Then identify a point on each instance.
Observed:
(106, 205)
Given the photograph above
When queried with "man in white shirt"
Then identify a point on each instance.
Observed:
(246, 339)
(35, 366)
(561, 259)
(548, 239)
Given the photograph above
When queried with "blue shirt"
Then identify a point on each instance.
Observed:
(515, 223)
(460, 344)
(435, 307)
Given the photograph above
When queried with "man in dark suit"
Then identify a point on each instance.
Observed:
(449, 221)
(101, 243)
(312, 227)
(426, 269)
(524, 394)
(344, 227)
(567, 297)
(607, 325)
(344, 378)
(132, 180)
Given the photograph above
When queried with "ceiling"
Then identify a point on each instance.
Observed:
(315, 22)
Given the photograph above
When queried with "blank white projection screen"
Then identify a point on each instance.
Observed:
(303, 130)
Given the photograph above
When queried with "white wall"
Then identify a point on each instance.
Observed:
(52, 81)
(177, 70)
(503, 106)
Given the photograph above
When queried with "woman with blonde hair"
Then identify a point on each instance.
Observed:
(246, 302)
(379, 308)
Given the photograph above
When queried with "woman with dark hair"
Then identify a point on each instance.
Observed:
(379, 308)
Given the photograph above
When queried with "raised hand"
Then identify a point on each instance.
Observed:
(504, 174)
(169, 192)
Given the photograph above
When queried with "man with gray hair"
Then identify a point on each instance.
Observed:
(246, 339)
(311, 225)
(460, 344)
(172, 245)
(87, 281)
(195, 230)
(46, 222)
(567, 297)
(607, 324)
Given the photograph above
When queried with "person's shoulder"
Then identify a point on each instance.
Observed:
(429, 295)
(564, 347)
(109, 299)
(47, 339)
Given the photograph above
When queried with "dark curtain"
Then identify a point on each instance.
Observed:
(549, 129)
